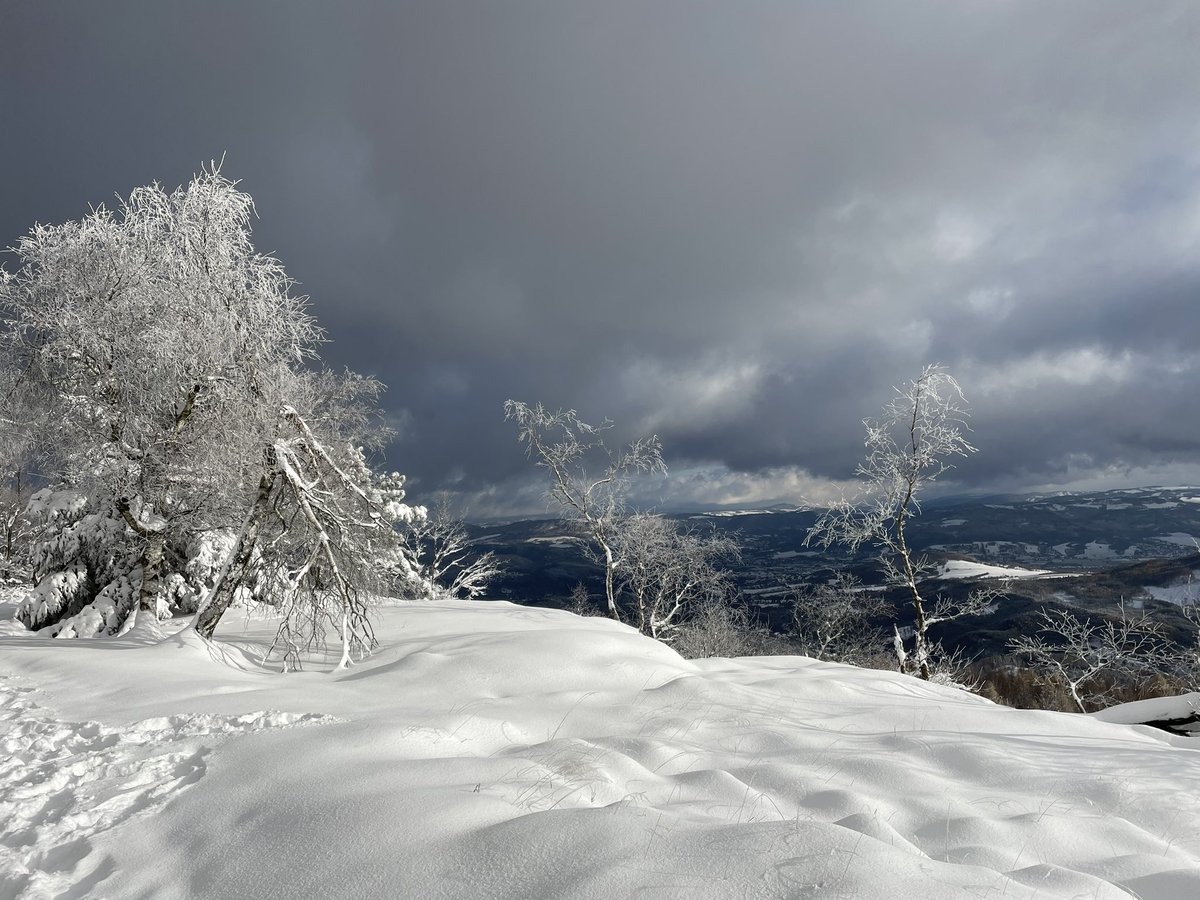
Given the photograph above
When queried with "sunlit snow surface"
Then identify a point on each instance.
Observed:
(491, 750)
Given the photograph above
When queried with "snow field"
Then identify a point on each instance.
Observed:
(963, 568)
(491, 750)
(64, 783)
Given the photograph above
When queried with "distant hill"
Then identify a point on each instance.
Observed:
(1136, 546)
(1064, 533)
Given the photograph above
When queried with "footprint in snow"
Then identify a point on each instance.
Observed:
(63, 783)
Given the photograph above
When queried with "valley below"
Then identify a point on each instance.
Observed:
(1091, 552)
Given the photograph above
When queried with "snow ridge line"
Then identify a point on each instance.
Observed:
(64, 783)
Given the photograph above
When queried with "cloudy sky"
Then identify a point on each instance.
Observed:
(733, 224)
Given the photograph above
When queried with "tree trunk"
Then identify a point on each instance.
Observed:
(921, 650)
(1073, 687)
(155, 538)
(152, 559)
(609, 592)
(223, 590)
(9, 527)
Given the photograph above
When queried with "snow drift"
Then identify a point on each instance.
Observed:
(492, 750)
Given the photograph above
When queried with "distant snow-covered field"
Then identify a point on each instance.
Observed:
(964, 568)
(492, 750)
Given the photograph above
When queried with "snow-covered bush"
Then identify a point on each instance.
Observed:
(440, 545)
(82, 556)
(206, 554)
(668, 572)
(581, 602)
(719, 628)
(87, 567)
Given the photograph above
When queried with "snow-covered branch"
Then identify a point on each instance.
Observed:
(1076, 651)
(668, 571)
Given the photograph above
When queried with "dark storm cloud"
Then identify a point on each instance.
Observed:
(733, 224)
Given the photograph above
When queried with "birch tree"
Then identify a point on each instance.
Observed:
(909, 446)
(589, 480)
(151, 330)
(320, 540)
(184, 409)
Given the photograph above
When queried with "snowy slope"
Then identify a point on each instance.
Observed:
(491, 750)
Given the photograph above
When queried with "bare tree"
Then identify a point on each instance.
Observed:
(1078, 651)
(908, 447)
(1188, 658)
(588, 479)
(440, 545)
(720, 628)
(668, 571)
(581, 602)
(834, 621)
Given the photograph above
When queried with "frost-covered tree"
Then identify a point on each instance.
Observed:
(589, 480)
(174, 366)
(442, 548)
(1078, 652)
(1188, 658)
(320, 541)
(152, 333)
(837, 620)
(908, 446)
(668, 571)
(22, 417)
(321, 537)
(16, 528)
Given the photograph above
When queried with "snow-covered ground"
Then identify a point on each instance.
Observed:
(963, 568)
(492, 750)
(1186, 594)
(1098, 550)
(1180, 539)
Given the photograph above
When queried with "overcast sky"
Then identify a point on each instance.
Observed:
(734, 224)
